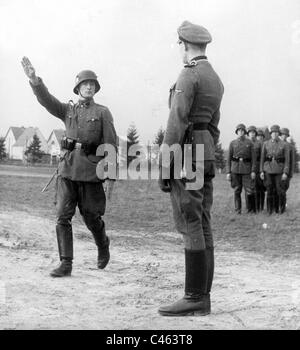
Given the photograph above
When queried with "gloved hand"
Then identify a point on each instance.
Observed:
(164, 185)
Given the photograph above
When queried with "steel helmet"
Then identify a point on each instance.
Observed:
(260, 132)
(85, 75)
(275, 128)
(285, 131)
(251, 128)
(240, 126)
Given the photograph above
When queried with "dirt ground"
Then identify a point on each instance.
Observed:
(249, 292)
(252, 289)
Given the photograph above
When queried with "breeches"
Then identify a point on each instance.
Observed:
(238, 181)
(275, 185)
(89, 197)
(191, 208)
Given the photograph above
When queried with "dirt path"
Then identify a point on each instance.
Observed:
(249, 291)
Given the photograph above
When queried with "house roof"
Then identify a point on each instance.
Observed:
(58, 134)
(23, 140)
(17, 131)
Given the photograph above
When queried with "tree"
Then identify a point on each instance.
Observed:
(220, 158)
(34, 152)
(2, 148)
(132, 139)
(159, 137)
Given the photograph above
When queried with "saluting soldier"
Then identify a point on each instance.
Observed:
(284, 135)
(275, 168)
(195, 101)
(241, 168)
(88, 125)
(260, 187)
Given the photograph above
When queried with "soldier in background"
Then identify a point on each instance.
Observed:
(241, 167)
(194, 103)
(252, 134)
(284, 135)
(275, 168)
(260, 187)
(88, 125)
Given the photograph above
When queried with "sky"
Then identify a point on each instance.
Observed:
(131, 45)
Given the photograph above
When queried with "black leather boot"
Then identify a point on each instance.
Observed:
(237, 203)
(196, 300)
(270, 204)
(262, 200)
(65, 247)
(63, 270)
(103, 254)
(282, 204)
(276, 203)
(253, 203)
(102, 242)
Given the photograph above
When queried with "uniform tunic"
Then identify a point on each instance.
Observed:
(195, 98)
(275, 157)
(241, 157)
(84, 122)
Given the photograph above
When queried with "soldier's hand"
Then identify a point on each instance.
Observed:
(164, 185)
(29, 69)
(284, 177)
(262, 175)
(228, 177)
(253, 175)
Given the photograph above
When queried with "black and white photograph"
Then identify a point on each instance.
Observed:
(149, 167)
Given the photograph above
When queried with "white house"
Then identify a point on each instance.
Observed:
(54, 143)
(11, 138)
(24, 140)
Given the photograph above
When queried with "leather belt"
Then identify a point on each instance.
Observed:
(279, 159)
(200, 126)
(239, 159)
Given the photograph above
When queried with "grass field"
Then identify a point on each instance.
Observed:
(140, 205)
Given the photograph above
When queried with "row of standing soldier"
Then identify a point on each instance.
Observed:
(259, 166)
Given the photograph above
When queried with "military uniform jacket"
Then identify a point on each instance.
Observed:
(195, 98)
(292, 158)
(275, 157)
(257, 145)
(241, 156)
(84, 122)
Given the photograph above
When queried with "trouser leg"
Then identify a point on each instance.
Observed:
(237, 185)
(270, 184)
(195, 208)
(66, 201)
(249, 188)
(92, 207)
(281, 186)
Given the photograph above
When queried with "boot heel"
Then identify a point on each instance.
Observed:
(201, 313)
